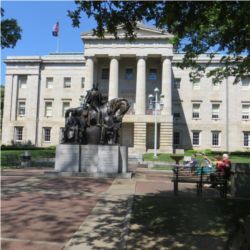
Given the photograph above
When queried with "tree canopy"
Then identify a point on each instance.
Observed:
(10, 32)
(198, 27)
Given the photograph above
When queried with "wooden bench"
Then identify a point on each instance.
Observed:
(200, 176)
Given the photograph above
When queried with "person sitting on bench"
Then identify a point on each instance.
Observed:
(220, 168)
(193, 163)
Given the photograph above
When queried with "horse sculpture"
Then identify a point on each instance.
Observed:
(95, 119)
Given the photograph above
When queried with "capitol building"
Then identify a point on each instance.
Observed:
(191, 115)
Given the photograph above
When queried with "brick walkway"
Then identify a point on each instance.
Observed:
(43, 213)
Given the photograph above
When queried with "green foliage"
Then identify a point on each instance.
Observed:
(10, 32)
(35, 153)
(198, 28)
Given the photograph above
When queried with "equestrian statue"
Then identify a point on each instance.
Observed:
(96, 121)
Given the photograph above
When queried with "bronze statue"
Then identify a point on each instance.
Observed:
(95, 119)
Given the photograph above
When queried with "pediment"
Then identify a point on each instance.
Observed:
(142, 32)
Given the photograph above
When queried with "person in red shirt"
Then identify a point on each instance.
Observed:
(220, 170)
(220, 166)
(227, 165)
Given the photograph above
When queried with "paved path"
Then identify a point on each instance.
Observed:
(41, 213)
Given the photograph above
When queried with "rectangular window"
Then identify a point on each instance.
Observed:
(65, 106)
(176, 115)
(67, 82)
(177, 111)
(49, 82)
(22, 82)
(245, 82)
(196, 110)
(246, 139)
(196, 84)
(21, 108)
(196, 138)
(83, 82)
(215, 138)
(152, 74)
(245, 111)
(215, 111)
(105, 74)
(177, 83)
(18, 133)
(48, 109)
(46, 134)
(129, 74)
(176, 138)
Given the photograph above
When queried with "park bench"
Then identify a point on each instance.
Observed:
(200, 176)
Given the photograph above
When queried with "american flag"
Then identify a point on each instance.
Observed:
(55, 31)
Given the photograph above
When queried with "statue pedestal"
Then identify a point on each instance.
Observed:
(67, 158)
(91, 160)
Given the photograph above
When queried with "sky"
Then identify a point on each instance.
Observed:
(37, 18)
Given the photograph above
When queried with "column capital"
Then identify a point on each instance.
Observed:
(166, 57)
(90, 57)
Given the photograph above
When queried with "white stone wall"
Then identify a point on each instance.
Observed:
(74, 67)
(57, 94)
(207, 95)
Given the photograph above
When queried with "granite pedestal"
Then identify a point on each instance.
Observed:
(67, 158)
(91, 160)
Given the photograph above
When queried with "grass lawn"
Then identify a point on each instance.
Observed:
(183, 223)
(167, 158)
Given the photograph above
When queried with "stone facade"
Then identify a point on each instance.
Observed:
(199, 116)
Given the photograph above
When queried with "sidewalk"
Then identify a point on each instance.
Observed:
(73, 213)
(106, 227)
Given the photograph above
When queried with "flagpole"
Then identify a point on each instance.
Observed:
(57, 44)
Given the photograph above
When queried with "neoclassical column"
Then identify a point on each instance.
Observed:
(140, 86)
(167, 85)
(89, 74)
(166, 136)
(113, 77)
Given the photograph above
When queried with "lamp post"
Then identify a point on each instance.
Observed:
(155, 104)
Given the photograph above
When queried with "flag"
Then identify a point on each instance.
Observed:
(55, 31)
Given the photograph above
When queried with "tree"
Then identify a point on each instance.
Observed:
(10, 32)
(198, 27)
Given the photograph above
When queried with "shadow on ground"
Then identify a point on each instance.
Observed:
(165, 222)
